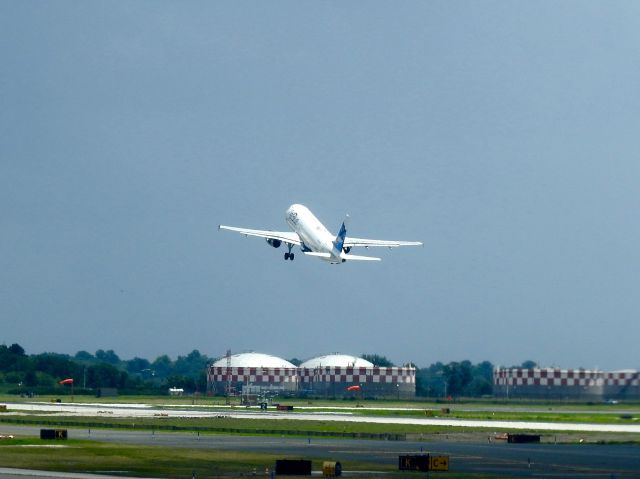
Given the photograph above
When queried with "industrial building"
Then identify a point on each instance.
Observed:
(555, 383)
(334, 375)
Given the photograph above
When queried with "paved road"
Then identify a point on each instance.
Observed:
(497, 459)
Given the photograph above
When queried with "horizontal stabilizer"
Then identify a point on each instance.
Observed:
(353, 257)
(350, 242)
(343, 257)
(318, 255)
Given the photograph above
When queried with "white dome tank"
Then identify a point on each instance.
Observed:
(253, 360)
(336, 360)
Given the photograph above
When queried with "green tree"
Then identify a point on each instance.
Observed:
(57, 365)
(30, 379)
(84, 356)
(479, 386)
(457, 377)
(162, 366)
(45, 380)
(191, 364)
(430, 381)
(103, 376)
(377, 360)
(12, 360)
(109, 357)
(13, 377)
(16, 349)
(137, 365)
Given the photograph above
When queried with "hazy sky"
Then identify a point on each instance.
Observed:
(505, 135)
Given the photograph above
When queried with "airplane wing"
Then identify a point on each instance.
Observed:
(367, 243)
(284, 236)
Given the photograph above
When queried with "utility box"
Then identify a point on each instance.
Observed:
(293, 467)
(331, 469)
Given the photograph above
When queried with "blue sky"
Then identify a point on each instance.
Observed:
(503, 135)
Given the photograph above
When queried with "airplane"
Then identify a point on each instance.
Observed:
(315, 240)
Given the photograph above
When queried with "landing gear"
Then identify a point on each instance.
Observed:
(289, 255)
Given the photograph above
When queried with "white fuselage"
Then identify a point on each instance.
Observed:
(313, 234)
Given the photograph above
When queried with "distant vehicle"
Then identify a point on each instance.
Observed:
(315, 240)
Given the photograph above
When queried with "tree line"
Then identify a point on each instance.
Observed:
(454, 379)
(41, 373)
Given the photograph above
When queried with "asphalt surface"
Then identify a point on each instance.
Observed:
(499, 459)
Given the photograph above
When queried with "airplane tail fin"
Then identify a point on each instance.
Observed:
(339, 241)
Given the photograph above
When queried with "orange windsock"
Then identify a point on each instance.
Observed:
(66, 381)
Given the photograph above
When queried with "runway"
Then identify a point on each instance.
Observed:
(141, 410)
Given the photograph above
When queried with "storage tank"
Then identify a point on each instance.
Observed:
(548, 383)
(336, 360)
(335, 375)
(251, 372)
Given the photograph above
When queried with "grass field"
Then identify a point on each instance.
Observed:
(227, 425)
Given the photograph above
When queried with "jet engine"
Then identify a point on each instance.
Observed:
(274, 242)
